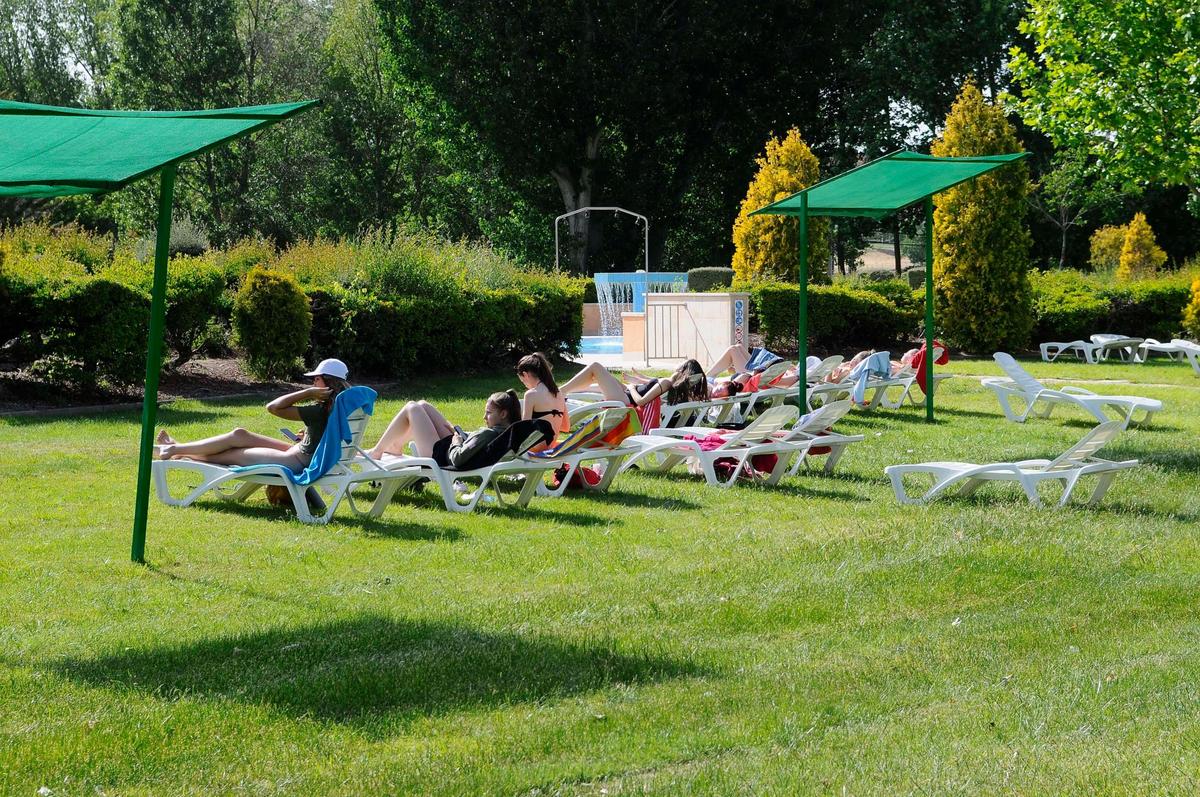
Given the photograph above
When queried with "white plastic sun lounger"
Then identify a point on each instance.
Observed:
(609, 458)
(1074, 463)
(1082, 349)
(1151, 346)
(354, 468)
(1040, 400)
(408, 469)
(666, 448)
(1124, 346)
(812, 428)
(1189, 350)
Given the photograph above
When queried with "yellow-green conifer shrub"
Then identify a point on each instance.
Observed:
(1191, 313)
(1141, 255)
(980, 243)
(765, 247)
(1106, 244)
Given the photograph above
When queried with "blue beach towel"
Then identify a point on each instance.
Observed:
(337, 432)
(878, 364)
(761, 359)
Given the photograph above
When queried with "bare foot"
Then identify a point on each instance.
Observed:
(164, 451)
(165, 439)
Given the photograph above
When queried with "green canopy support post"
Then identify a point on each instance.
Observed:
(802, 336)
(158, 309)
(929, 309)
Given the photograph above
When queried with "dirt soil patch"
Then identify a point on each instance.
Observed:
(22, 392)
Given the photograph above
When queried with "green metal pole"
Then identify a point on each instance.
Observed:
(158, 308)
(802, 338)
(929, 309)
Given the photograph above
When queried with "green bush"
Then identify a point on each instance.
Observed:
(91, 331)
(839, 317)
(910, 303)
(1070, 305)
(702, 280)
(38, 240)
(195, 299)
(1147, 309)
(271, 323)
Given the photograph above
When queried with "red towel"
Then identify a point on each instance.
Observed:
(919, 362)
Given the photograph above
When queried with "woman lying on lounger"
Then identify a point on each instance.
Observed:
(543, 399)
(686, 384)
(420, 423)
(243, 447)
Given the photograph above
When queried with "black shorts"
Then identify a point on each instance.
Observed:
(441, 451)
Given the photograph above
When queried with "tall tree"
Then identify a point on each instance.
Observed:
(35, 63)
(980, 244)
(607, 103)
(176, 54)
(1120, 78)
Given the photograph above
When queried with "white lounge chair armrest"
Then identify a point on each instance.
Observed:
(1071, 390)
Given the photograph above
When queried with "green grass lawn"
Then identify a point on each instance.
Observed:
(666, 638)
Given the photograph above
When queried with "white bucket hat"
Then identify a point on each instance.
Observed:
(330, 367)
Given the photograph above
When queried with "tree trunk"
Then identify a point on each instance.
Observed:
(896, 244)
(576, 192)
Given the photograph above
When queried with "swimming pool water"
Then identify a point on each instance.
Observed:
(602, 344)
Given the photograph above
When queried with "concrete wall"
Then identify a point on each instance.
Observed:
(591, 318)
(700, 325)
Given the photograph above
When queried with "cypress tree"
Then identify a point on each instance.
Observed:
(980, 244)
(766, 247)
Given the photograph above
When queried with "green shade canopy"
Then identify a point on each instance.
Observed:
(875, 190)
(886, 185)
(46, 151)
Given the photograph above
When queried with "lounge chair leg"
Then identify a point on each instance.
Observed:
(1102, 485)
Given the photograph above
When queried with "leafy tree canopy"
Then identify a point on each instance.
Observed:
(1121, 78)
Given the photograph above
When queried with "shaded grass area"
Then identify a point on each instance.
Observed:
(665, 638)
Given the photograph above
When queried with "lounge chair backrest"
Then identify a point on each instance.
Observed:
(773, 372)
(825, 416)
(514, 441)
(773, 420)
(1087, 446)
(1017, 374)
(358, 425)
(824, 368)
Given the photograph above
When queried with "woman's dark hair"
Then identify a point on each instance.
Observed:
(508, 403)
(539, 366)
(336, 385)
(688, 383)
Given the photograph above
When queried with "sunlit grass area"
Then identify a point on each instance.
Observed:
(664, 638)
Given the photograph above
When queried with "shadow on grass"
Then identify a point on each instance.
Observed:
(372, 672)
(372, 527)
(623, 498)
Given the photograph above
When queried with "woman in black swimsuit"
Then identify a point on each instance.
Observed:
(542, 399)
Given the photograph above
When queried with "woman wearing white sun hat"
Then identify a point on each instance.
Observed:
(243, 447)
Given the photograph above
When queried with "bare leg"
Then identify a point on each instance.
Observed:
(254, 455)
(209, 446)
(734, 359)
(596, 374)
(420, 423)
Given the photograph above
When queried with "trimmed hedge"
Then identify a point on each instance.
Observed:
(1070, 305)
(838, 317)
(387, 304)
(702, 280)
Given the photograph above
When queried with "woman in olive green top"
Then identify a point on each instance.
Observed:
(420, 423)
(243, 447)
